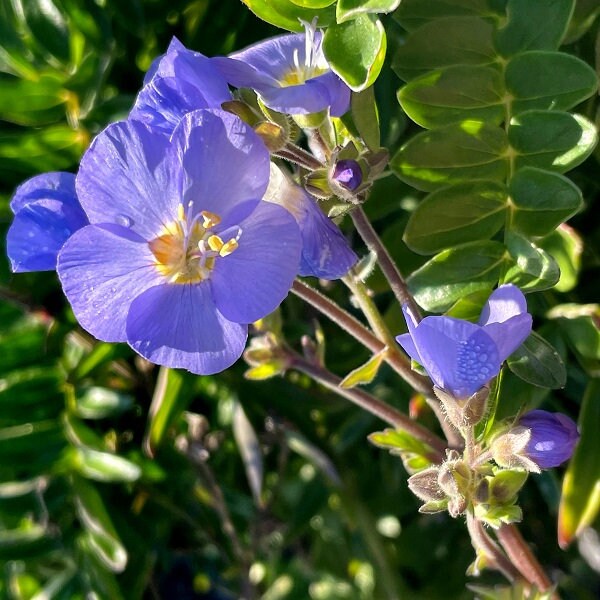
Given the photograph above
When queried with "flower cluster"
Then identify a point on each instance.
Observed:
(178, 231)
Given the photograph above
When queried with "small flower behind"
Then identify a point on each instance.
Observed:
(47, 213)
(290, 74)
(181, 252)
(539, 440)
(462, 357)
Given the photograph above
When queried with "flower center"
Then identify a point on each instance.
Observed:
(185, 250)
(314, 61)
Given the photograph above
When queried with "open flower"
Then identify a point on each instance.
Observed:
(461, 357)
(47, 212)
(552, 437)
(289, 73)
(177, 83)
(326, 253)
(181, 253)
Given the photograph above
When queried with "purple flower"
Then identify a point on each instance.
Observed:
(47, 212)
(289, 73)
(348, 174)
(461, 357)
(177, 83)
(326, 253)
(181, 253)
(552, 438)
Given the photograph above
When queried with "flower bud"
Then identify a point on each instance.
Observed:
(552, 437)
(348, 174)
(424, 485)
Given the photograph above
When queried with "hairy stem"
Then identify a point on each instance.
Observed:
(387, 265)
(482, 542)
(299, 156)
(371, 404)
(522, 557)
(356, 329)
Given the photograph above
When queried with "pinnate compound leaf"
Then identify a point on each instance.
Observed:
(533, 269)
(548, 81)
(580, 500)
(465, 212)
(453, 94)
(411, 14)
(542, 200)
(551, 140)
(453, 154)
(538, 25)
(457, 272)
(537, 362)
(350, 9)
(445, 42)
(287, 15)
(356, 50)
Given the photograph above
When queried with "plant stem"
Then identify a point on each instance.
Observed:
(484, 543)
(522, 557)
(387, 265)
(371, 404)
(299, 156)
(357, 330)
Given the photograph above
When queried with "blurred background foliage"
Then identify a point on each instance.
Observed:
(122, 480)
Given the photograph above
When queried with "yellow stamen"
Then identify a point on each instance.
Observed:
(228, 247)
(215, 243)
(209, 219)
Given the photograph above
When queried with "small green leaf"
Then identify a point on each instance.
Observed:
(551, 140)
(397, 441)
(104, 466)
(565, 246)
(172, 394)
(542, 200)
(538, 25)
(412, 14)
(464, 212)
(266, 370)
(365, 373)
(548, 81)
(455, 93)
(287, 15)
(457, 272)
(99, 403)
(538, 363)
(453, 154)
(313, 3)
(356, 50)
(366, 118)
(580, 500)
(533, 268)
(458, 41)
(350, 9)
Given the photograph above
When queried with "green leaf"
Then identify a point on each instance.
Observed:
(538, 25)
(350, 9)
(533, 268)
(458, 41)
(583, 18)
(249, 447)
(313, 3)
(99, 403)
(103, 466)
(396, 441)
(101, 580)
(287, 15)
(28, 438)
(455, 93)
(171, 395)
(365, 373)
(551, 140)
(453, 154)
(548, 80)
(92, 513)
(566, 247)
(28, 540)
(356, 50)
(580, 500)
(542, 200)
(461, 213)
(457, 272)
(366, 118)
(537, 362)
(412, 14)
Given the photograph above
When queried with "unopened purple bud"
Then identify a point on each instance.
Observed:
(553, 437)
(348, 173)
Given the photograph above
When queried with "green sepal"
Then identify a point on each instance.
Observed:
(505, 485)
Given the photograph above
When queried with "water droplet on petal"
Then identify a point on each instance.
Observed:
(124, 220)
